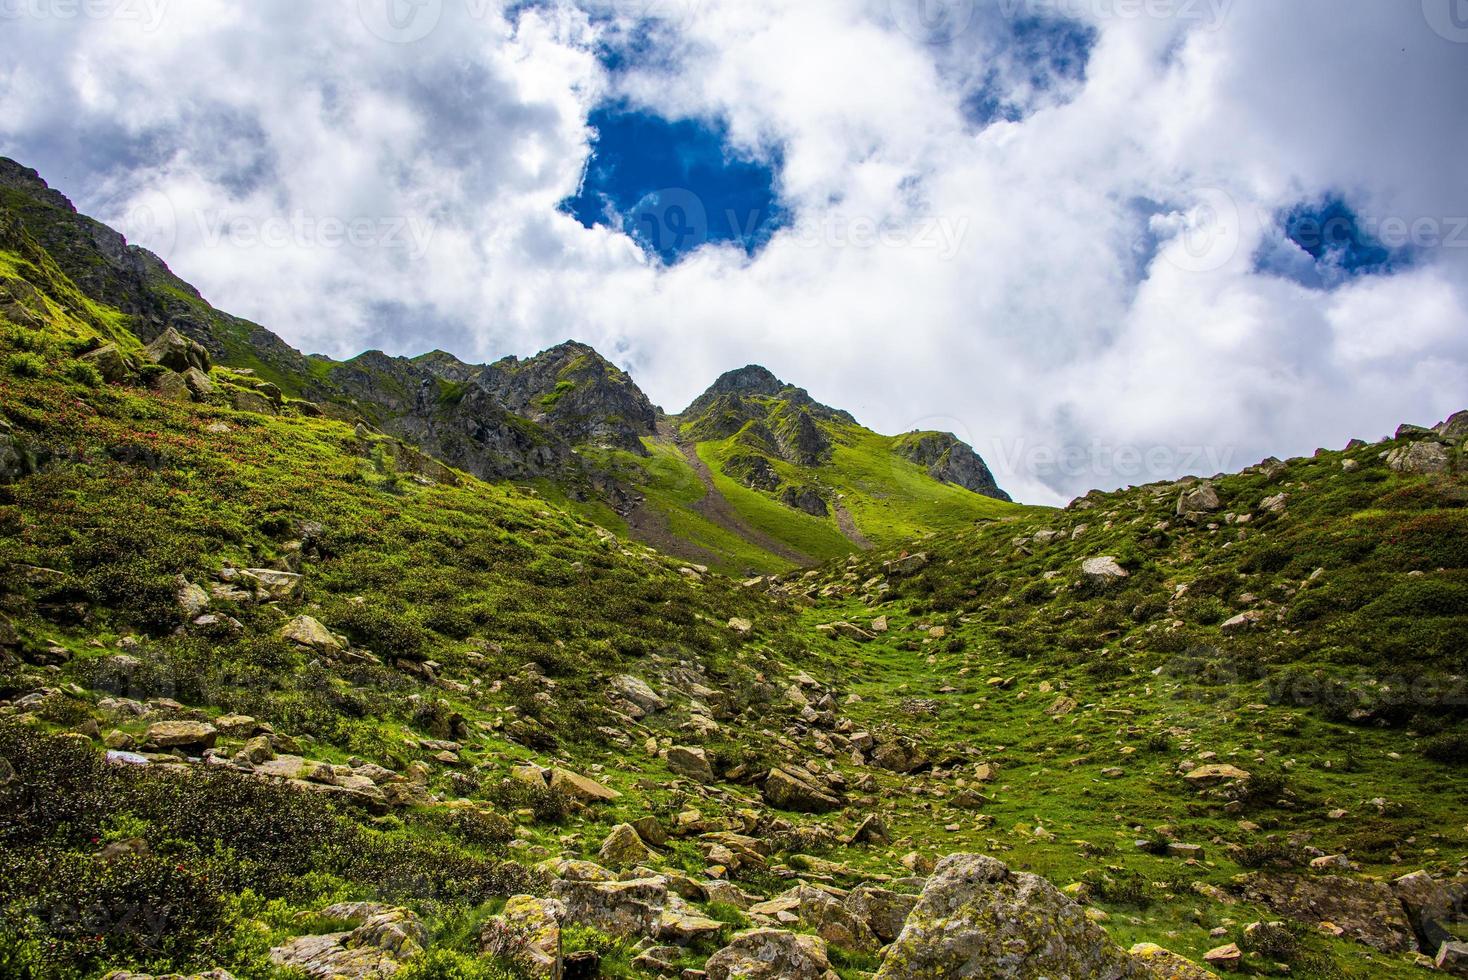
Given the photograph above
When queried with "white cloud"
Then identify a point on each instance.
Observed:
(1063, 322)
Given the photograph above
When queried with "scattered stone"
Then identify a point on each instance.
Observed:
(1225, 957)
(386, 939)
(1104, 571)
(691, 763)
(308, 632)
(1167, 965)
(637, 691)
(740, 625)
(1215, 774)
(1196, 503)
(796, 790)
(580, 788)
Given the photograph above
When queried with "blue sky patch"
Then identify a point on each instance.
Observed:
(1325, 244)
(675, 185)
(1035, 56)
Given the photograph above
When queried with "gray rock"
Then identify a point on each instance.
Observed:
(528, 934)
(178, 353)
(110, 363)
(1196, 503)
(691, 763)
(771, 954)
(1368, 911)
(976, 918)
(1419, 458)
(792, 788)
(1104, 571)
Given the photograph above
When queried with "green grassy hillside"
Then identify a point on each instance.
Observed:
(256, 663)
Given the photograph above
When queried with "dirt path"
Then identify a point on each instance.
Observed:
(849, 528)
(715, 506)
(649, 526)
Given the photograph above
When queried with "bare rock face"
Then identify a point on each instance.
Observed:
(950, 460)
(771, 954)
(976, 918)
(1420, 458)
(1368, 911)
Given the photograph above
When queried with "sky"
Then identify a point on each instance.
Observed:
(1104, 241)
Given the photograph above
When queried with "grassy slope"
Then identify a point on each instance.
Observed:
(1379, 631)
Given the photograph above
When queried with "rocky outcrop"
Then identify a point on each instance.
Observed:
(1367, 911)
(528, 934)
(977, 918)
(576, 393)
(950, 460)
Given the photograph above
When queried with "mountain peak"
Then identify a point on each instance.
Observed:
(750, 380)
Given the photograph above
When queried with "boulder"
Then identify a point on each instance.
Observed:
(110, 363)
(578, 787)
(1104, 571)
(172, 386)
(771, 954)
(1429, 908)
(624, 848)
(977, 918)
(1196, 503)
(207, 975)
(308, 632)
(1419, 458)
(823, 914)
(192, 600)
(1367, 911)
(617, 908)
(386, 939)
(279, 586)
(187, 735)
(900, 755)
(1452, 958)
(1215, 774)
(639, 693)
(178, 353)
(1225, 957)
(885, 912)
(528, 934)
(796, 790)
(691, 763)
(198, 382)
(1454, 429)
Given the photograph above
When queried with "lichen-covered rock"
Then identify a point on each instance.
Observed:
(796, 790)
(1367, 910)
(1156, 963)
(617, 908)
(581, 788)
(1419, 458)
(377, 949)
(976, 918)
(885, 912)
(823, 914)
(528, 934)
(771, 954)
(308, 632)
(624, 848)
(1429, 908)
(178, 353)
(692, 763)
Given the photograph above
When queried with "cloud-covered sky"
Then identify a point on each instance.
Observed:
(1105, 241)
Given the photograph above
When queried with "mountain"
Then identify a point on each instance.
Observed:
(769, 479)
(283, 694)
